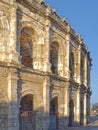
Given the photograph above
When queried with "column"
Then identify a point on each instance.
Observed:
(12, 95)
(85, 70)
(12, 54)
(88, 108)
(77, 108)
(88, 71)
(78, 65)
(67, 42)
(85, 109)
(4, 35)
(46, 47)
(46, 102)
(66, 106)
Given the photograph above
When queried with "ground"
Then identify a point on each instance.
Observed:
(92, 126)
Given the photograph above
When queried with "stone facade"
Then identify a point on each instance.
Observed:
(44, 69)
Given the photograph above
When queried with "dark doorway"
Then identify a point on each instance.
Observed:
(54, 120)
(71, 113)
(27, 117)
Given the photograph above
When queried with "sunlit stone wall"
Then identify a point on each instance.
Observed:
(43, 58)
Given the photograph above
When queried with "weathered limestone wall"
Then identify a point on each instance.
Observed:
(29, 29)
(38, 86)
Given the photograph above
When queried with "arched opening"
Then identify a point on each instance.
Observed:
(54, 119)
(81, 112)
(71, 112)
(26, 46)
(71, 65)
(54, 57)
(27, 116)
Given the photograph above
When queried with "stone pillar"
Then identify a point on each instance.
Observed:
(66, 106)
(12, 54)
(88, 108)
(77, 108)
(46, 48)
(62, 117)
(85, 70)
(67, 72)
(4, 36)
(12, 95)
(19, 18)
(46, 103)
(78, 65)
(85, 109)
(88, 74)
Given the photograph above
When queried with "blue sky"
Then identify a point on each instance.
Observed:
(83, 17)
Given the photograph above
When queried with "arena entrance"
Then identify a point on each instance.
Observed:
(27, 116)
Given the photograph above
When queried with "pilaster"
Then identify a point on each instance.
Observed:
(67, 42)
(12, 54)
(85, 70)
(46, 48)
(77, 108)
(66, 107)
(88, 108)
(12, 95)
(85, 109)
(78, 65)
(46, 103)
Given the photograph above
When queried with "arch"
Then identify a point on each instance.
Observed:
(71, 64)
(32, 26)
(71, 112)
(30, 37)
(55, 94)
(55, 39)
(34, 93)
(37, 101)
(54, 118)
(27, 115)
